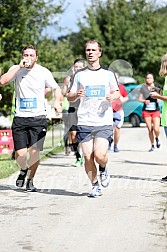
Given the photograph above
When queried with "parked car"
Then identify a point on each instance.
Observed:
(127, 80)
(133, 108)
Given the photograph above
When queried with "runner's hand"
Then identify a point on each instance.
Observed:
(57, 107)
(81, 92)
(23, 63)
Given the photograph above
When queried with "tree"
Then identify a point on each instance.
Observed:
(58, 56)
(22, 23)
(133, 30)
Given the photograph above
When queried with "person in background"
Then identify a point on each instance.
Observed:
(163, 97)
(92, 86)
(151, 110)
(65, 108)
(0, 94)
(29, 124)
(118, 114)
(71, 118)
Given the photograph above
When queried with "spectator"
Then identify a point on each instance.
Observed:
(163, 97)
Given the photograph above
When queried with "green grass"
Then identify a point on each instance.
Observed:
(9, 166)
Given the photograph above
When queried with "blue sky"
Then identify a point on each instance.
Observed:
(69, 18)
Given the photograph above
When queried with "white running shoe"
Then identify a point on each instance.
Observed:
(105, 178)
(95, 192)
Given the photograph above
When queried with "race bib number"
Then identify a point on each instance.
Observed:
(95, 91)
(28, 103)
(151, 106)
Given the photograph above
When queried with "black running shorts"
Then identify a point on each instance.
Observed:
(29, 131)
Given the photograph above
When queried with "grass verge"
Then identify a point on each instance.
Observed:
(9, 166)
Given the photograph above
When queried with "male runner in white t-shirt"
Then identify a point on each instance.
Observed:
(30, 124)
(92, 85)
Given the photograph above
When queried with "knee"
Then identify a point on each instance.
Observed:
(89, 158)
(21, 153)
(150, 130)
(99, 157)
(34, 152)
(156, 131)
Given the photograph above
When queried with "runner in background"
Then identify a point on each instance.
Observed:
(71, 118)
(151, 110)
(118, 115)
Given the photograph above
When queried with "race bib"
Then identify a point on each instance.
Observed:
(28, 103)
(151, 106)
(95, 91)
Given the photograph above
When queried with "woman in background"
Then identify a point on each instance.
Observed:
(151, 110)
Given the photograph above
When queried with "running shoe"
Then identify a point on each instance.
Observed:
(164, 179)
(105, 178)
(30, 186)
(157, 143)
(79, 162)
(115, 148)
(21, 178)
(95, 192)
(152, 149)
(82, 159)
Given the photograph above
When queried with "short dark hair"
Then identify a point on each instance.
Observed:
(149, 74)
(29, 47)
(92, 41)
(78, 60)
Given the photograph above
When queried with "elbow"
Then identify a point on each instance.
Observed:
(64, 93)
(69, 98)
(2, 82)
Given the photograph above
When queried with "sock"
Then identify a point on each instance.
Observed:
(95, 183)
(102, 169)
(110, 140)
(24, 171)
(77, 154)
(71, 146)
(28, 181)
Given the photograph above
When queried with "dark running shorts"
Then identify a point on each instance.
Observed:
(86, 133)
(29, 131)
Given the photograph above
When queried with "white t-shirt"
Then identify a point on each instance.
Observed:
(94, 109)
(30, 87)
